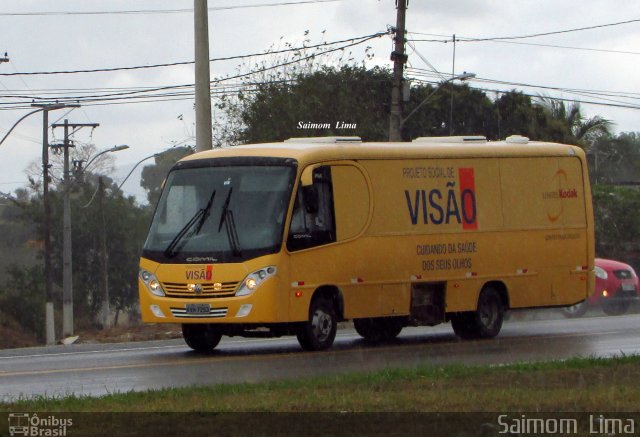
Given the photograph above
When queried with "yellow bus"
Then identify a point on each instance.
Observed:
(292, 238)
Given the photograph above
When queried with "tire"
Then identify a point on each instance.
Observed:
(575, 311)
(485, 322)
(319, 331)
(201, 337)
(378, 329)
(615, 308)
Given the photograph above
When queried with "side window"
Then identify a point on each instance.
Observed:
(350, 200)
(313, 218)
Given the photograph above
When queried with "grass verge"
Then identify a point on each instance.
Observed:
(581, 384)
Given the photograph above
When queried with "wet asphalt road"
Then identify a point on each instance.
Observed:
(92, 369)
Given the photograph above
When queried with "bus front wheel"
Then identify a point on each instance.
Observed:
(485, 322)
(201, 337)
(319, 331)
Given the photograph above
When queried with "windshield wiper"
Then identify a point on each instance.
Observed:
(225, 207)
(199, 217)
(205, 212)
(227, 219)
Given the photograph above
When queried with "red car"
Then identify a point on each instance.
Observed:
(616, 288)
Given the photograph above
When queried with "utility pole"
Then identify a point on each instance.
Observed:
(204, 140)
(453, 74)
(399, 58)
(46, 221)
(67, 267)
(106, 310)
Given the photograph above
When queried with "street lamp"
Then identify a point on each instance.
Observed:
(67, 278)
(462, 77)
(136, 166)
(113, 149)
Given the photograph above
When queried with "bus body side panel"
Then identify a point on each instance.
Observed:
(522, 221)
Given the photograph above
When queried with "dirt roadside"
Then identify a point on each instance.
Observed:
(12, 336)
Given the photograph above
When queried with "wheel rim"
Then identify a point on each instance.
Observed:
(322, 325)
(488, 313)
(573, 309)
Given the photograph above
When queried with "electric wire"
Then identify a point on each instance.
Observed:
(160, 11)
(172, 64)
(132, 93)
(535, 35)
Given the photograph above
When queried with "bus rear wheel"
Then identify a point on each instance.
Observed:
(320, 330)
(378, 329)
(201, 337)
(577, 310)
(485, 322)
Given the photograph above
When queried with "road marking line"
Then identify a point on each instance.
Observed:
(182, 346)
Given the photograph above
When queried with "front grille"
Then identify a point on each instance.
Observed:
(211, 290)
(213, 313)
(622, 274)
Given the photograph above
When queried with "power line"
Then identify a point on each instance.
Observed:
(603, 102)
(356, 41)
(534, 35)
(184, 91)
(555, 46)
(557, 32)
(160, 11)
(172, 64)
(537, 96)
(629, 94)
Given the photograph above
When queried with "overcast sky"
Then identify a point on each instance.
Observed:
(49, 36)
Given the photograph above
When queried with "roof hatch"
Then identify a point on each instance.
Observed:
(325, 140)
(458, 140)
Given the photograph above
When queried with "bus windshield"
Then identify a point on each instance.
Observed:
(221, 212)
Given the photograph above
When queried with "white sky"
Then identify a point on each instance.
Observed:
(56, 42)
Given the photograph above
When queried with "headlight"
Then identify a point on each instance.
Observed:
(152, 283)
(600, 272)
(253, 280)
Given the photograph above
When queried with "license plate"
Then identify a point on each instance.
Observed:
(198, 308)
(628, 287)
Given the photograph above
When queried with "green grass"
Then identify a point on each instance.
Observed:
(583, 384)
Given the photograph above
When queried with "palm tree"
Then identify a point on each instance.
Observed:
(584, 130)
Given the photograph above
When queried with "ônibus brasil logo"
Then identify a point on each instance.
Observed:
(453, 205)
(26, 424)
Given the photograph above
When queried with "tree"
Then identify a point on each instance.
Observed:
(516, 114)
(615, 159)
(23, 299)
(126, 229)
(473, 112)
(81, 153)
(576, 128)
(153, 175)
(617, 230)
(320, 103)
